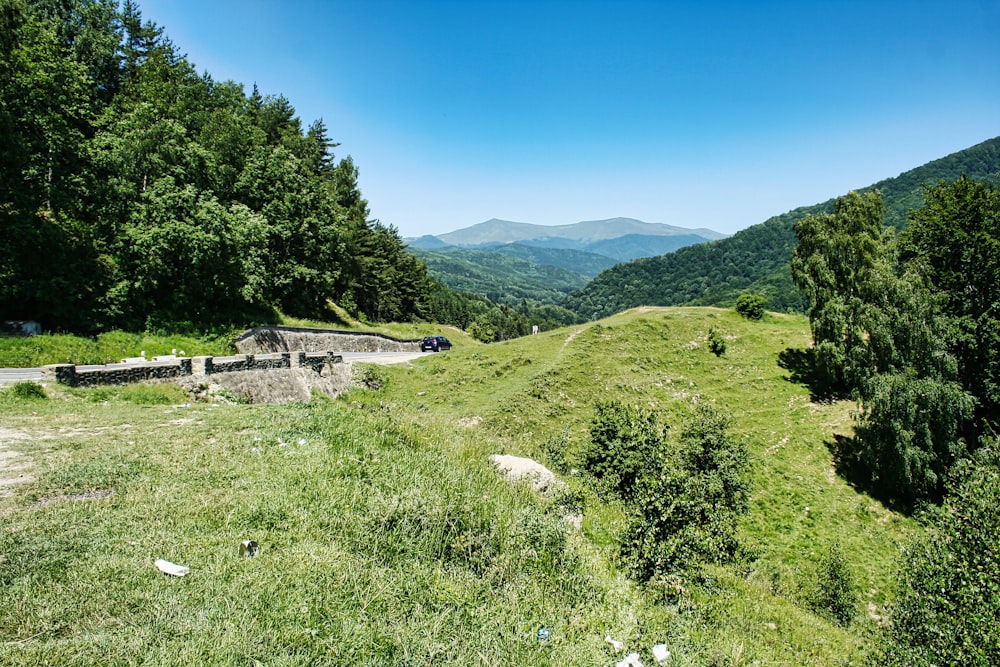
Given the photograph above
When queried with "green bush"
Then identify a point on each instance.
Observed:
(687, 507)
(482, 332)
(947, 609)
(716, 342)
(836, 594)
(372, 377)
(554, 448)
(750, 306)
(27, 390)
(624, 442)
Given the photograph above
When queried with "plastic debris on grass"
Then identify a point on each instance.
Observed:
(631, 660)
(661, 654)
(173, 569)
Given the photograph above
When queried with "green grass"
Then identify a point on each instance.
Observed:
(106, 348)
(388, 540)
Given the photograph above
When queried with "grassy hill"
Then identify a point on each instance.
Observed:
(757, 259)
(387, 539)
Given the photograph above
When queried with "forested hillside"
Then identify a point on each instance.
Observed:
(500, 277)
(757, 258)
(136, 193)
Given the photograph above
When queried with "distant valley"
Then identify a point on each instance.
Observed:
(514, 261)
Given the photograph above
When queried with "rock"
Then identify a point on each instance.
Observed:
(516, 468)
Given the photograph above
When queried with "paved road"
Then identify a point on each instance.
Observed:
(10, 375)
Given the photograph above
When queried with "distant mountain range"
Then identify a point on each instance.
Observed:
(504, 231)
(602, 267)
(519, 260)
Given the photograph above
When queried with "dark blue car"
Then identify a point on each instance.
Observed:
(435, 344)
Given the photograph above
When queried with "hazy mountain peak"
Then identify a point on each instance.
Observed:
(507, 231)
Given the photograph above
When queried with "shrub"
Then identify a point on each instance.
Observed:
(750, 306)
(947, 609)
(908, 435)
(28, 390)
(372, 377)
(482, 332)
(624, 442)
(836, 594)
(687, 507)
(555, 448)
(716, 342)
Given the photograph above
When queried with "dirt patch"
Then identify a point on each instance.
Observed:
(13, 467)
(569, 338)
(96, 494)
(470, 422)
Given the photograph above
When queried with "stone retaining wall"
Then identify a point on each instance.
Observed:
(89, 376)
(310, 339)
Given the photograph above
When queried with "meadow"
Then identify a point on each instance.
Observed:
(386, 537)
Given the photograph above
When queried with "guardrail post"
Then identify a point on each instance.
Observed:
(201, 365)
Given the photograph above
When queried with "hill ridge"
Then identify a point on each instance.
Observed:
(496, 230)
(757, 258)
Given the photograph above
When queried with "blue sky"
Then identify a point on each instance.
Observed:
(695, 114)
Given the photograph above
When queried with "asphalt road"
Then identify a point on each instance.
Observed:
(10, 375)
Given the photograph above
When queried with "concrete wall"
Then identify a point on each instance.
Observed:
(289, 339)
(89, 376)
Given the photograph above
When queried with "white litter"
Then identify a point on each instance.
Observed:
(661, 654)
(631, 660)
(617, 645)
(173, 569)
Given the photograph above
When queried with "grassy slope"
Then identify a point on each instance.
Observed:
(659, 358)
(386, 537)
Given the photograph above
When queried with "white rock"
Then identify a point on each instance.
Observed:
(515, 468)
(661, 654)
(617, 645)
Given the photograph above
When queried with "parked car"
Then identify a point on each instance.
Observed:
(435, 344)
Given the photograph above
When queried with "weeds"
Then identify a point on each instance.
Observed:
(26, 391)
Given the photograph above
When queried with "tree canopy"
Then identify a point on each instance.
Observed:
(135, 192)
(907, 325)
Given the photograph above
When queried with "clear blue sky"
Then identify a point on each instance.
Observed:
(695, 114)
